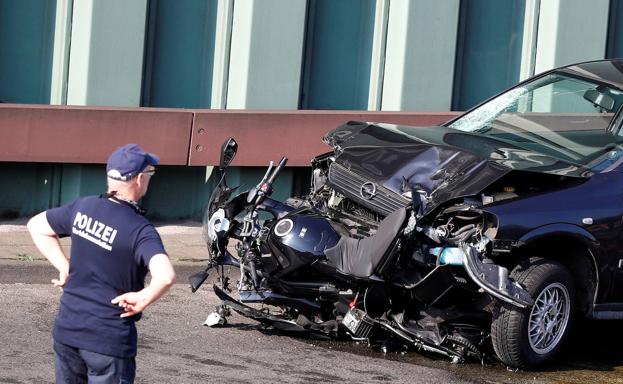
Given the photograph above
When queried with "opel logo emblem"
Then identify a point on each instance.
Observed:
(368, 190)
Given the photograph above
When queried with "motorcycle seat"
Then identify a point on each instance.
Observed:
(360, 257)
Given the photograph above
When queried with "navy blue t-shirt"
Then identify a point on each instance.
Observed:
(111, 245)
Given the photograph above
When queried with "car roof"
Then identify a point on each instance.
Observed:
(606, 71)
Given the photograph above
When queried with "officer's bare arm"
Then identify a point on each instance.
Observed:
(49, 245)
(162, 278)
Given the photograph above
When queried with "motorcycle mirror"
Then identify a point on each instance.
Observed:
(197, 279)
(228, 152)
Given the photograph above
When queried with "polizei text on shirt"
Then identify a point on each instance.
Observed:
(94, 231)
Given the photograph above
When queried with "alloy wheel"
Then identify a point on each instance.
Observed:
(549, 318)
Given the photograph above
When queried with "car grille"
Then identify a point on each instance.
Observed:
(349, 183)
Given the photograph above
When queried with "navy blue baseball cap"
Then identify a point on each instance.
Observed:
(128, 161)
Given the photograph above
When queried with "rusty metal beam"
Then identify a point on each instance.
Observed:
(63, 134)
(268, 135)
(88, 135)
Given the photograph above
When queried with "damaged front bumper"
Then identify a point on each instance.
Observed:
(494, 279)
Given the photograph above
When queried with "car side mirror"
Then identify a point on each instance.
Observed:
(228, 152)
(599, 99)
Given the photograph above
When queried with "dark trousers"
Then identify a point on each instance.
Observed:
(77, 366)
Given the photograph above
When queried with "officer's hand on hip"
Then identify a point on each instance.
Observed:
(131, 302)
(62, 279)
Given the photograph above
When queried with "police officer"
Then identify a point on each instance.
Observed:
(112, 248)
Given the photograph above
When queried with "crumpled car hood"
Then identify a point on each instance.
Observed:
(441, 162)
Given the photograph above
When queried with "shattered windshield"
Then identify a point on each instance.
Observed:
(557, 115)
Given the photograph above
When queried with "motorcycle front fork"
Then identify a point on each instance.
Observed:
(249, 277)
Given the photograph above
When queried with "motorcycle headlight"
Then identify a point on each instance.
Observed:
(217, 223)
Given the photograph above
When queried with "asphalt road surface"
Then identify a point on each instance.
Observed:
(174, 347)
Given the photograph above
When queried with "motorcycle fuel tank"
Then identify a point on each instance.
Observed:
(300, 239)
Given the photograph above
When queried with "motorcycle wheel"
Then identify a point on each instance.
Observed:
(526, 338)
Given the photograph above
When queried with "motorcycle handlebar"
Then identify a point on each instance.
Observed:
(282, 163)
(270, 168)
(264, 189)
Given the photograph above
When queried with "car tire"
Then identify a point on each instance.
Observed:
(526, 338)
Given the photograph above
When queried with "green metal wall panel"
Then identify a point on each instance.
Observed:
(614, 46)
(81, 180)
(26, 45)
(183, 192)
(338, 54)
(180, 53)
(175, 192)
(489, 47)
(27, 188)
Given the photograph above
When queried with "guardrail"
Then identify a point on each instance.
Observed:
(70, 134)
